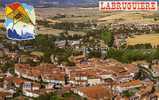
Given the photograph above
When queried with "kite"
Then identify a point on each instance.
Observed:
(20, 21)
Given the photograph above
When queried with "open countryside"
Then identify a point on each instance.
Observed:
(152, 39)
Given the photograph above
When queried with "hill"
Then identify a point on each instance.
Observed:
(55, 2)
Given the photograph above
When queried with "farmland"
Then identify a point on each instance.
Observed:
(152, 39)
(76, 15)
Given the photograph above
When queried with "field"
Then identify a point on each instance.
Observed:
(85, 15)
(51, 31)
(153, 39)
(77, 14)
(93, 15)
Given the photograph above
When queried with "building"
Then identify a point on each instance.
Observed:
(98, 92)
(121, 87)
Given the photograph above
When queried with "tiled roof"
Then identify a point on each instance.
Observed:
(96, 92)
(130, 83)
(48, 71)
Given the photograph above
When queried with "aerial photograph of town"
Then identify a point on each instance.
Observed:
(79, 50)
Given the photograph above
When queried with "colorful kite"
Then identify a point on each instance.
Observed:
(20, 21)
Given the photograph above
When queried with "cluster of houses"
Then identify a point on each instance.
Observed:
(11, 84)
(123, 30)
(93, 79)
(113, 80)
(43, 73)
(73, 43)
(96, 71)
(32, 81)
(134, 27)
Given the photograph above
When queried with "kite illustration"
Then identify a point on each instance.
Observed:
(20, 21)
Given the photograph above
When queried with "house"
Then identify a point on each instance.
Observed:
(57, 78)
(49, 86)
(94, 81)
(30, 93)
(2, 54)
(25, 71)
(155, 70)
(120, 87)
(146, 89)
(134, 97)
(31, 89)
(155, 61)
(36, 56)
(8, 83)
(67, 88)
(27, 86)
(37, 53)
(5, 95)
(21, 68)
(36, 86)
(78, 59)
(60, 44)
(98, 92)
(33, 74)
(154, 96)
(44, 72)
(35, 59)
(138, 92)
(84, 77)
(18, 82)
(52, 74)
(36, 93)
(107, 75)
(26, 48)
(75, 44)
(24, 58)
(13, 56)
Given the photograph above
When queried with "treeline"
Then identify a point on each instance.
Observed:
(108, 38)
(72, 26)
(140, 46)
(130, 55)
(46, 44)
(56, 96)
(67, 25)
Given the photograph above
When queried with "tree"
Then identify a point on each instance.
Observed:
(155, 19)
(108, 38)
(156, 55)
(55, 97)
(130, 55)
(7, 65)
(128, 93)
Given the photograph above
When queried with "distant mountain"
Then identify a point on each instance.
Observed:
(70, 1)
(62, 2)
(54, 2)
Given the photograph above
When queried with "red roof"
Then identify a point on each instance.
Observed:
(18, 81)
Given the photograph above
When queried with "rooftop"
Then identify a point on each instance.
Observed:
(96, 92)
